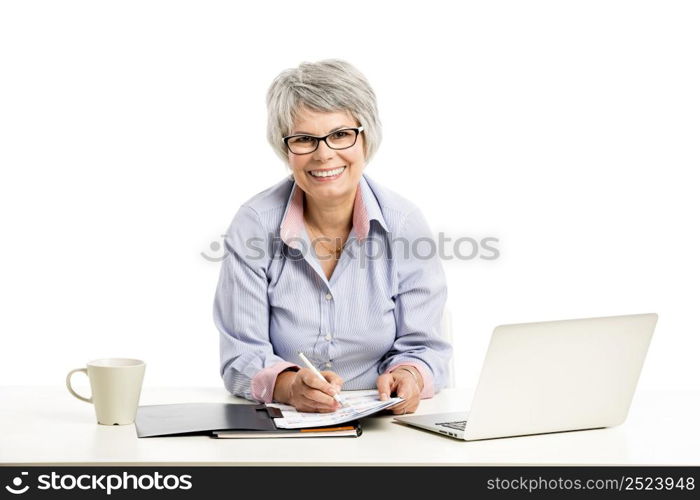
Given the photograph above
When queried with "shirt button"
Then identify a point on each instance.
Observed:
(328, 337)
(329, 296)
(329, 364)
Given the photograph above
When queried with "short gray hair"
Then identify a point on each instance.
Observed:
(328, 85)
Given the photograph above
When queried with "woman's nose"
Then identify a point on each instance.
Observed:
(323, 152)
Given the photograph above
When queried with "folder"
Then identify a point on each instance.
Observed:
(226, 420)
(352, 429)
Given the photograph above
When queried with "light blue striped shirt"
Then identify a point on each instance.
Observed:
(381, 308)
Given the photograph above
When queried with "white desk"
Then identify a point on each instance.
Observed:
(46, 425)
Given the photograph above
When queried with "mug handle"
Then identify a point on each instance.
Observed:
(70, 389)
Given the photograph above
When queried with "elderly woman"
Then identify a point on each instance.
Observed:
(328, 262)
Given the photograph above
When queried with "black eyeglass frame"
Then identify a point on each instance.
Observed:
(357, 131)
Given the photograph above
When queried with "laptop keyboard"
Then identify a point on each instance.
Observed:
(454, 425)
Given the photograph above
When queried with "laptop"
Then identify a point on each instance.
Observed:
(552, 376)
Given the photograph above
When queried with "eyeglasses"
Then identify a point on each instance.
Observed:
(302, 144)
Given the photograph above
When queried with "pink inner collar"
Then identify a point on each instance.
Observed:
(293, 223)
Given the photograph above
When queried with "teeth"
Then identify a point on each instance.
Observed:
(327, 173)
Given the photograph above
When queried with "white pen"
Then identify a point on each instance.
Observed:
(318, 374)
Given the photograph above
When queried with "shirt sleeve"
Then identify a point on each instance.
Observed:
(419, 299)
(249, 366)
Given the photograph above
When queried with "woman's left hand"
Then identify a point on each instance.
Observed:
(405, 385)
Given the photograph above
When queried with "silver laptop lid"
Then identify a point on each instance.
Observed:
(559, 375)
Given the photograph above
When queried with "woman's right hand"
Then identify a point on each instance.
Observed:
(306, 392)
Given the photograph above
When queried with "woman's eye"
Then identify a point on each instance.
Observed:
(340, 134)
(301, 139)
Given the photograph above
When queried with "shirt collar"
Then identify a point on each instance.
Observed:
(365, 209)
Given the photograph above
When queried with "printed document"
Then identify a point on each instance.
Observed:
(357, 404)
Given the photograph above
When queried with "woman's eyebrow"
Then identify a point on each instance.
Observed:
(330, 131)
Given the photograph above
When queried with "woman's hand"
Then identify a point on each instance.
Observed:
(306, 392)
(407, 383)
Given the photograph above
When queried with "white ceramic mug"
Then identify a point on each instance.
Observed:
(116, 388)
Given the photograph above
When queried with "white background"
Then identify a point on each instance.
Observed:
(131, 132)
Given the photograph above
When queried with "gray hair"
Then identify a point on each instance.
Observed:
(328, 85)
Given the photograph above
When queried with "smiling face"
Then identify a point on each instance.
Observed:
(346, 165)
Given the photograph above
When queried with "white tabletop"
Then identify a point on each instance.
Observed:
(46, 425)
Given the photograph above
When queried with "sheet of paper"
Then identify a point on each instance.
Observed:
(358, 404)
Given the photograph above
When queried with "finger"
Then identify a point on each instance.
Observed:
(309, 407)
(385, 384)
(403, 389)
(399, 409)
(316, 405)
(406, 388)
(407, 406)
(310, 379)
(304, 405)
(396, 410)
(408, 391)
(384, 387)
(404, 411)
(321, 398)
(334, 379)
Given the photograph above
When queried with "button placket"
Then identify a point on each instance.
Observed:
(328, 327)
(325, 326)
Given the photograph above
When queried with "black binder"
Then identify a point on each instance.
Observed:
(198, 418)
